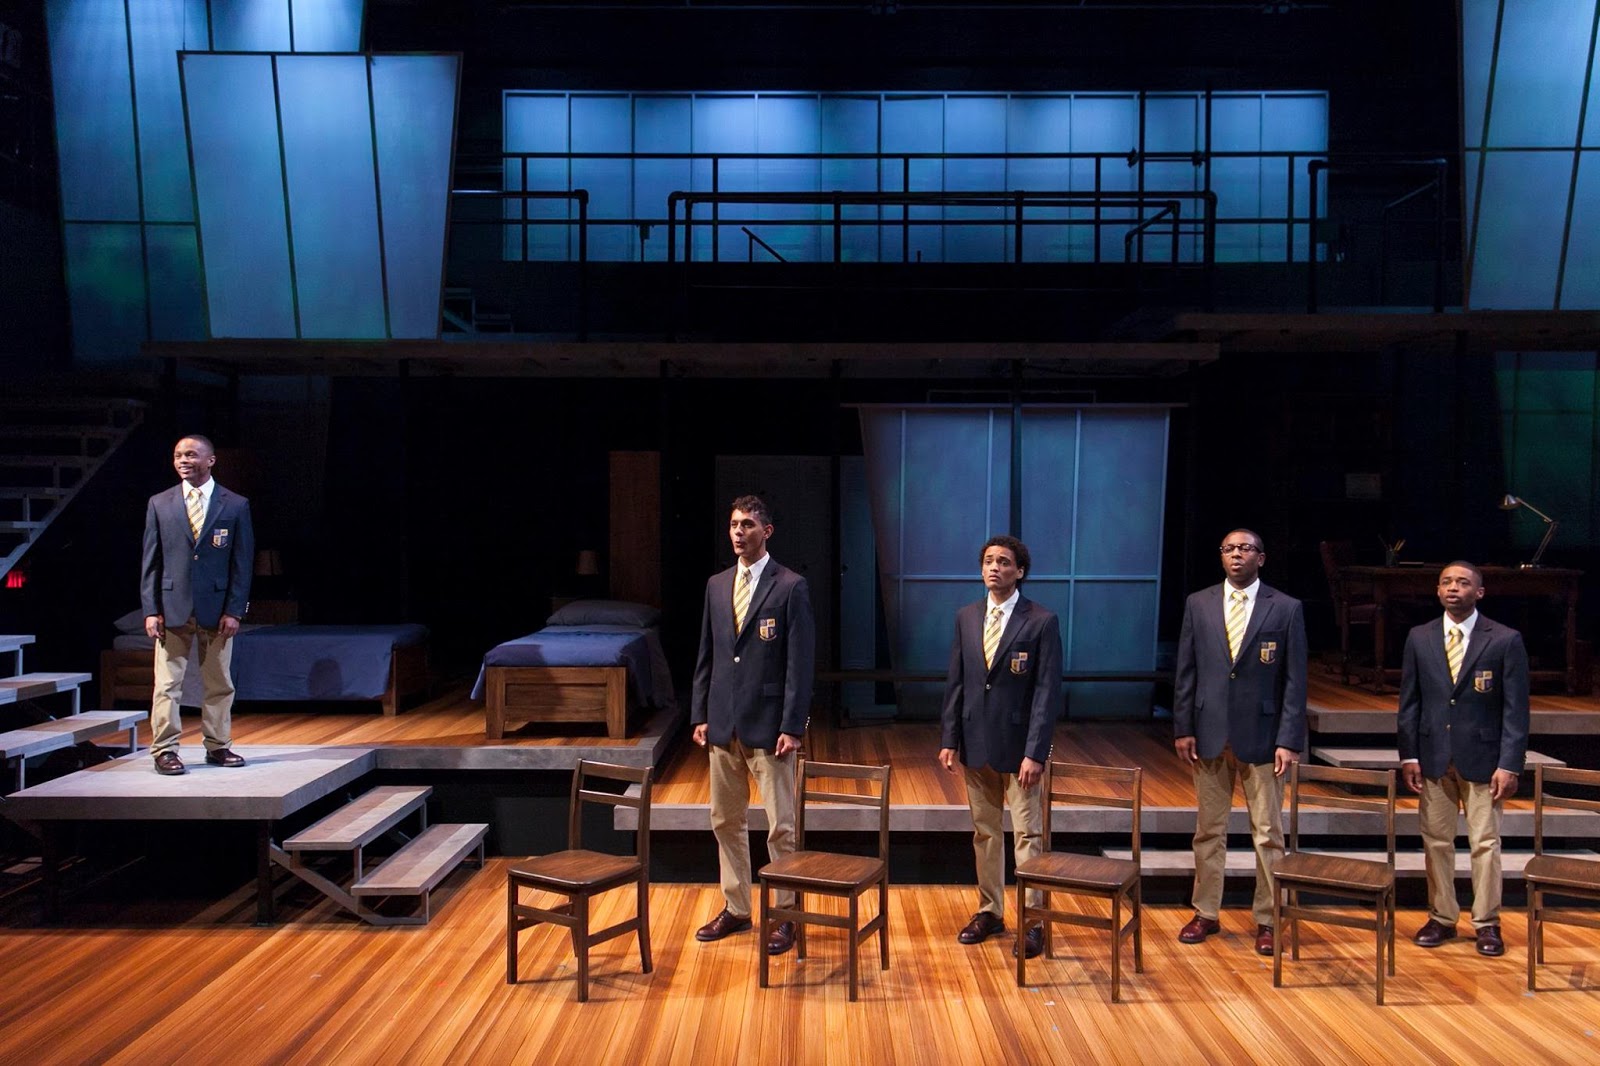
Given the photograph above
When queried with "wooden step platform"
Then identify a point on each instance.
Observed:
(21, 744)
(32, 686)
(1389, 758)
(361, 821)
(1242, 861)
(419, 867)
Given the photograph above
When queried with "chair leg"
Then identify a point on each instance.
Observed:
(1277, 926)
(799, 928)
(1533, 932)
(580, 943)
(511, 932)
(1138, 927)
(1381, 932)
(1116, 948)
(761, 941)
(855, 942)
(883, 926)
(1049, 930)
(645, 962)
(1294, 927)
(1392, 893)
(1022, 929)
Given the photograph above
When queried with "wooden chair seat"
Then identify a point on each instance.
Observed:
(1563, 871)
(567, 871)
(1334, 871)
(824, 871)
(1066, 870)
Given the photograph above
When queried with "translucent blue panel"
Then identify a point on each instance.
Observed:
(880, 439)
(1049, 477)
(1580, 289)
(969, 243)
(662, 123)
(957, 488)
(849, 123)
(1115, 176)
(105, 287)
(724, 124)
(653, 181)
(1470, 164)
(1123, 469)
(333, 197)
(1105, 123)
(414, 115)
(789, 124)
(1113, 625)
(1591, 122)
(250, 26)
(1554, 467)
(1236, 122)
(975, 124)
(610, 185)
(161, 28)
(1294, 122)
(1477, 52)
(1522, 213)
(602, 123)
(858, 637)
(327, 26)
(239, 188)
(1172, 123)
(536, 123)
(1039, 124)
(177, 297)
(1538, 76)
(542, 241)
(94, 110)
(913, 124)
(1555, 382)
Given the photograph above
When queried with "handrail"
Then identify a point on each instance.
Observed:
(1362, 165)
(748, 232)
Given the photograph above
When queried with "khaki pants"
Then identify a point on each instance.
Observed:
(173, 653)
(1263, 798)
(730, 800)
(1436, 814)
(987, 789)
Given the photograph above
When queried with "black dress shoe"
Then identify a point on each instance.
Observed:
(983, 926)
(1433, 933)
(1489, 942)
(782, 939)
(724, 924)
(169, 764)
(1034, 941)
(223, 757)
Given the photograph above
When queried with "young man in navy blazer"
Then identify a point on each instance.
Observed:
(194, 584)
(1463, 736)
(1002, 699)
(1239, 712)
(751, 702)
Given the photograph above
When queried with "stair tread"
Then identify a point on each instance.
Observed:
(65, 732)
(423, 863)
(362, 820)
(31, 686)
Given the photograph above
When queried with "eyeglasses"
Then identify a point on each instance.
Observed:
(1238, 549)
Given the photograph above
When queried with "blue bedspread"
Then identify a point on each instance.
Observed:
(636, 649)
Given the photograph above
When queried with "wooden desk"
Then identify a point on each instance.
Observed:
(1419, 584)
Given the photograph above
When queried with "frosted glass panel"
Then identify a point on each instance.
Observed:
(1539, 75)
(161, 28)
(1521, 215)
(177, 296)
(250, 26)
(327, 26)
(94, 109)
(105, 287)
(1122, 467)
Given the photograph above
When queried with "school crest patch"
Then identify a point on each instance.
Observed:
(1019, 662)
(219, 538)
(768, 629)
(1269, 651)
(1483, 680)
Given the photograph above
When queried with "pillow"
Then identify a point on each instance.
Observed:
(601, 613)
(131, 623)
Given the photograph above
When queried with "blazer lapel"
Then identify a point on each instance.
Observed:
(219, 498)
(1215, 620)
(1433, 649)
(758, 595)
(1258, 616)
(1008, 635)
(1482, 634)
(722, 605)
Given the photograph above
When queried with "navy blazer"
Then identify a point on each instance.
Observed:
(1479, 723)
(995, 715)
(179, 578)
(754, 684)
(1257, 704)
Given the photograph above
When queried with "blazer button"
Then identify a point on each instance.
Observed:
(736, 659)
(987, 687)
(1452, 703)
(1233, 676)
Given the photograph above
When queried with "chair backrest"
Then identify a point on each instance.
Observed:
(588, 770)
(1380, 807)
(1559, 775)
(810, 771)
(1060, 784)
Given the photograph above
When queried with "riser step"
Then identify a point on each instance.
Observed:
(415, 869)
(361, 821)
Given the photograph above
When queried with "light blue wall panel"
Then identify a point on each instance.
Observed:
(250, 26)
(1236, 127)
(1478, 19)
(1122, 466)
(604, 123)
(1050, 474)
(333, 196)
(1581, 282)
(161, 29)
(850, 124)
(724, 124)
(1538, 81)
(94, 109)
(1113, 627)
(1103, 123)
(1173, 123)
(239, 188)
(661, 124)
(327, 25)
(790, 124)
(536, 122)
(105, 288)
(177, 293)
(957, 469)
(1521, 217)
(414, 116)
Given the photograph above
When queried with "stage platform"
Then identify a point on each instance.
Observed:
(1335, 708)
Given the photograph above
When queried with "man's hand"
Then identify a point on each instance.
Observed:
(1503, 785)
(1411, 774)
(700, 734)
(786, 744)
(1031, 772)
(1282, 759)
(947, 759)
(155, 627)
(228, 627)
(1184, 746)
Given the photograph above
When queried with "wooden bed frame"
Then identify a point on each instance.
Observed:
(131, 676)
(515, 695)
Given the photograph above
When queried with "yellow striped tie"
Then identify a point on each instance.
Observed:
(197, 514)
(741, 598)
(991, 635)
(1235, 622)
(1455, 649)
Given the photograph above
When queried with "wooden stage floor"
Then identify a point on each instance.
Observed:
(141, 983)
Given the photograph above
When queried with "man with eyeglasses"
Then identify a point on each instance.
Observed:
(1239, 713)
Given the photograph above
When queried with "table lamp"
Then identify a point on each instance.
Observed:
(1511, 503)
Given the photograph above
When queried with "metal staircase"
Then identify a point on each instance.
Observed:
(50, 447)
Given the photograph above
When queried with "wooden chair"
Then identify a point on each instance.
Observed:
(1099, 876)
(1562, 875)
(1346, 877)
(828, 874)
(580, 874)
(1354, 603)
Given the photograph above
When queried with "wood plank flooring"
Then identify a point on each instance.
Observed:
(141, 986)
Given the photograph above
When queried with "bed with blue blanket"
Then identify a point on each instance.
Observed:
(595, 661)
